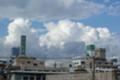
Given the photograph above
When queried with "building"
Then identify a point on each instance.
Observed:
(28, 63)
(27, 75)
(29, 71)
(81, 76)
(100, 53)
(78, 63)
(15, 52)
(99, 60)
(23, 45)
(90, 50)
(59, 65)
(43, 75)
(3, 64)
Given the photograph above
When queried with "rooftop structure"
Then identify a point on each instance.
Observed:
(28, 63)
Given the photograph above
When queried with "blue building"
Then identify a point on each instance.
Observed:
(15, 51)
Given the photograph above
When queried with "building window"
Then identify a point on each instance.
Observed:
(28, 62)
(82, 62)
(25, 78)
(90, 65)
(70, 65)
(44, 78)
(38, 77)
(41, 77)
(99, 63)
(41, 62)
(31, 77)
(35, 64)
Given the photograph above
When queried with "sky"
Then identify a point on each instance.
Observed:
(60, 28)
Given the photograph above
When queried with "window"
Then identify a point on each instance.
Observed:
(31, 77)
(44, 78)
(38, 77)
(25, 78)
(90, 65)
(41, 62)
(82, 62)
(70, 65)
(35, 64)
(28, 62)
(41, 77)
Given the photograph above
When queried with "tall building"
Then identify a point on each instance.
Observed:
(100, 53)
(23, 45)
(99, 61)
(15, 51)
(90, 50)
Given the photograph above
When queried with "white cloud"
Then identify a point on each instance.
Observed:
(47, 10)
(66, 3)
(15, 29)
(62, 39)
(57, 9)
(114, 10)
(68, 31)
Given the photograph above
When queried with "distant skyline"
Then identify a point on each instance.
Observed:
(60, 27)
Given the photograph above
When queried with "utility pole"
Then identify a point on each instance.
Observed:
(93, 68)
(91, 56)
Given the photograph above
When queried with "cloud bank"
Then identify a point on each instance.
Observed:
(64, 38)
(57, 9)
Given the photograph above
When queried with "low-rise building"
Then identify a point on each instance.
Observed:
(78, 63)
(28, 63)
(27, 75)
(3, 65)
(43, 75)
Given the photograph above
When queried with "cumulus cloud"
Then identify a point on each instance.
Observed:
(66, 30)
(64, 38)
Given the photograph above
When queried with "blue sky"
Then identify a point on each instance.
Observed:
(103, 20)
(3, 26)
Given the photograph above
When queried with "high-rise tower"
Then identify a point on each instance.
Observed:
(100, 53)
(15, 51)
(90, 50)
(23, 45)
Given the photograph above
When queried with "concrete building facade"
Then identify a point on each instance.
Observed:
(28, 63)
(34, 75)
(81, 76)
